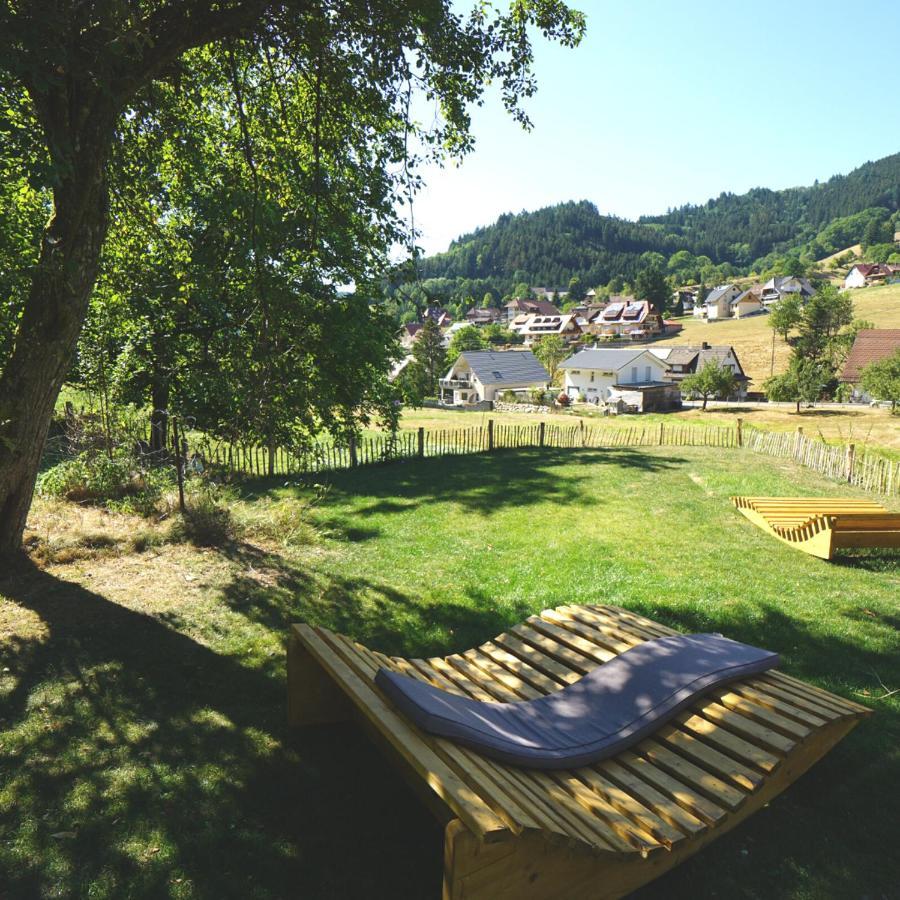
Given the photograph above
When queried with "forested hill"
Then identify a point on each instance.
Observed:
(549, 246)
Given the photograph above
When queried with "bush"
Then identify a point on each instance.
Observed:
(117, 483)
(207, 519)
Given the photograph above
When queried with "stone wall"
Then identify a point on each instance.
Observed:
(521, 408)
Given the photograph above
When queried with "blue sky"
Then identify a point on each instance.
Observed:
(666, 103)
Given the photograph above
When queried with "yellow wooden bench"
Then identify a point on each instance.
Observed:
(598, 831)
(821, 525)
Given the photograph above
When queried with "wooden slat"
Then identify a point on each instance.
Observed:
(723, 739)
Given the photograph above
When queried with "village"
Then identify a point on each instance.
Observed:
(614, 354)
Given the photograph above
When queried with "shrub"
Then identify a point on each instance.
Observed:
(117, 482)
(207, 519)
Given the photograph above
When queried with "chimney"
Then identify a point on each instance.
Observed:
(704, 345)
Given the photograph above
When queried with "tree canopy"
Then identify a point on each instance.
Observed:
(267, 142)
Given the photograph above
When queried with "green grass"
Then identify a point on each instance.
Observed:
(143, 750)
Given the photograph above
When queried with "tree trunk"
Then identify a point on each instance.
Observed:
(54, 313)
(159, 415)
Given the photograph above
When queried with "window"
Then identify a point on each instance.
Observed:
(592, 377)
(649, 373)
(498, 375)
(634, 374)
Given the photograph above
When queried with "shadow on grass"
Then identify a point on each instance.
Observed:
(140, 762)
(481, 483)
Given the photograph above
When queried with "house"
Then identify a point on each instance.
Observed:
(748, 303)
(535, 327)
(530, 307)
(871, 345)
(627, 317)
(867, 274)
(682, 361)
(408, 334)
(439, 314)
(592, 375)
(687, 297)
(782, 285)
(399, 366)
(718, 302)
(479, 375)
(485, 315)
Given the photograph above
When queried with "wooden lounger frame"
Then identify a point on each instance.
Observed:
(821, 525)
(598, 831)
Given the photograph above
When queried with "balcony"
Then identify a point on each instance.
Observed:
(456, 383)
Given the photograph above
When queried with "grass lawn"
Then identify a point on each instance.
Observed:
(752, 337)
(143, 746)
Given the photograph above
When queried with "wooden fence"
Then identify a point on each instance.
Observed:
(866, 470)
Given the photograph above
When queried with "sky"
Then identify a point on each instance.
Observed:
(666, 103)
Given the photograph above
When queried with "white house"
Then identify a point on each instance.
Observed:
(627, 317)
(782, 285)
(718, 301)
(683, 360)
(479, 375)
(749, 303)
(593, 374)
(535, 327)
(866, 274)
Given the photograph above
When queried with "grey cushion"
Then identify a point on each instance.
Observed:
(606, 711)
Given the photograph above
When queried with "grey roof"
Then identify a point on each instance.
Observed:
(612, 358)
(683, 355)
(501, 366)
(715, 293)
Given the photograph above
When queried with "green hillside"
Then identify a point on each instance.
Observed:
(727, 236)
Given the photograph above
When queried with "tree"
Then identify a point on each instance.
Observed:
(73, 75)
(804, 382)
(551, 350)
(576, 289)
(881, 379)
(430, 355)
(822, 318)
(468, 338)
(713, 380)
(651, 284)
(786, 314)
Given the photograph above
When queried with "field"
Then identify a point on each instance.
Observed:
(142, 722)
(867, 427)
(752, 337)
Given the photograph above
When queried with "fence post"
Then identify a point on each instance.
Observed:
(798, 440)
(354, 462)
(581, 424)
(421, 441)
(660, 434)
(179, 463)
(848, 464)
(490, 435)
(740, 432)
(541, 434)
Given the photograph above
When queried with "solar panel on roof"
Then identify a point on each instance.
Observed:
(633, 310)
(613, 310)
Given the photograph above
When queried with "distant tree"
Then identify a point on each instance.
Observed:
(878, 231)
(881, 379)
(576, 289)
(616, 285)
(713, 380)
(468, 338)
(702, 293)
(785, 315)
(804, 382)
(824, 315)
(412, 383)
(651, 284)
(429, 353)
(487, 301)
(551, 350)
(678, 306)
(523, 292)
(795, 266)
(880, 253)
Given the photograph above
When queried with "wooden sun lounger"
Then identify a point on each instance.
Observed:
(598, 831)
(821, 525)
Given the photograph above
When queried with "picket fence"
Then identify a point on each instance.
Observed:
(841, 462)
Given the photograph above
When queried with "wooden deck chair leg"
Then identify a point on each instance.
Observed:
(313, 697)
